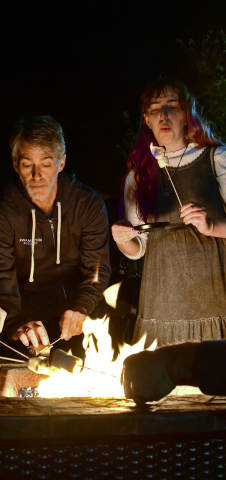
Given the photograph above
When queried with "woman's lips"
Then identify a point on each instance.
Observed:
(165, 128)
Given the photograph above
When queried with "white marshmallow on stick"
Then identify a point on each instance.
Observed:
(163, 161)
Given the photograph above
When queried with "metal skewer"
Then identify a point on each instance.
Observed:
(14, 350)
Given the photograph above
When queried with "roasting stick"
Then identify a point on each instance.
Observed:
(178, 198)
(12, 359)
(48, 346)
(87, 368)
(163, 161)
(14, 350)
(3, 315)
(98, 371)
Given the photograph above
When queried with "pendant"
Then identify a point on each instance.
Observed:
(166, 193)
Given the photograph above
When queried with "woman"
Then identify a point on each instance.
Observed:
(183, 289)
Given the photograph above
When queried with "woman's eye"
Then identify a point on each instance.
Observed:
(154, 110)
(47, 165)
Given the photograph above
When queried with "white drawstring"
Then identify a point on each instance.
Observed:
(31, 278)
(58, 232)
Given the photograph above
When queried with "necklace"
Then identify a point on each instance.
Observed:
(166, 185)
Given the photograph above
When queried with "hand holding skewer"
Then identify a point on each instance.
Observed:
(163, 161)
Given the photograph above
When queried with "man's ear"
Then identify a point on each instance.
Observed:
(62, 162)
(15, 166)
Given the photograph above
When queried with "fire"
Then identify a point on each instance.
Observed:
(101, 375)
(103, 380)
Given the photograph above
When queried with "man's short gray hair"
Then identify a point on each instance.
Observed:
(39, 131)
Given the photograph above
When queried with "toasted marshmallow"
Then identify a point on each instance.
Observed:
(162, 160)
(159, 154)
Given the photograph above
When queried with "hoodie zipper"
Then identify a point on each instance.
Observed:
(52, 229)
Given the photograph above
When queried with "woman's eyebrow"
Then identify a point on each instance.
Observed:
(168, 101)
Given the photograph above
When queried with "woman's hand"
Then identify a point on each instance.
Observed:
(123, 231)
(195, 214)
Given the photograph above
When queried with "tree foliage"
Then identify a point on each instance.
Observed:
(129, 138)
(205, 75)
(201, 65)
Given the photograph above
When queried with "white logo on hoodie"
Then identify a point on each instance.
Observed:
(27, 241)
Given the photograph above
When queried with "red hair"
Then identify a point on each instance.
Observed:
(142, 161)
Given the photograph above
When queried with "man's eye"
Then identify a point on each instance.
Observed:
(154, 110)
(46, 165)
(26, 165)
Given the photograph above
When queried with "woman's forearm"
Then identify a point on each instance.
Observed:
(132, 247)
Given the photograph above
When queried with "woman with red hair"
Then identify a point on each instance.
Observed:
(183, 289)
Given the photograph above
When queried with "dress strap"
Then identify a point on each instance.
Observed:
(212, 151)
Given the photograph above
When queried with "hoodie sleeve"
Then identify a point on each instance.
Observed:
(9, 291)
(95, 265)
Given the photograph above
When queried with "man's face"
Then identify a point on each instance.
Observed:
(38, 169)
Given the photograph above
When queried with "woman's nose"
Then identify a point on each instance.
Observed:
(164, 112)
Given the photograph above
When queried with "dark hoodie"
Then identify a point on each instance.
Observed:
(82, 244)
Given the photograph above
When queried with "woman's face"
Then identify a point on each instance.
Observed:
(167, 120)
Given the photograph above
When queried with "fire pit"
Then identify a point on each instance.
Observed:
(104, 436)
(94, 438)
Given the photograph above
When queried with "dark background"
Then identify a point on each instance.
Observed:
(85, 63)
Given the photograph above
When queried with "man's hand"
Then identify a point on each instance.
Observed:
(33, 332)
(145, 377)
(71, 323)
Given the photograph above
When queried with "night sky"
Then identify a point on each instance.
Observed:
(85, 63)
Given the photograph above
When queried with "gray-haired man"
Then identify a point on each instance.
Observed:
(54, 260)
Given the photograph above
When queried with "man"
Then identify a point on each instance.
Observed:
(54, 263)
(149, 376)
